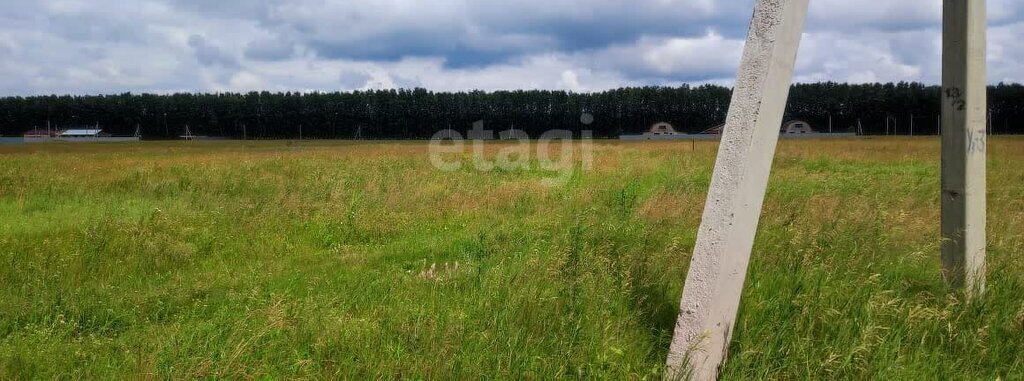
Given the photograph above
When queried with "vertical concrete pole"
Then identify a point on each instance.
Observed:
(711, 295)
(964, 109)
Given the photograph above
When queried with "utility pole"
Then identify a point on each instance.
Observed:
(911, 124)
(718, 269)
(964, 144)
(991, 127)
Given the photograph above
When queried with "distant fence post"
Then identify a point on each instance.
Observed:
(964, 112)
(711, 295)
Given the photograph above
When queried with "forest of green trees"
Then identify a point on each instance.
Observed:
(902, 108)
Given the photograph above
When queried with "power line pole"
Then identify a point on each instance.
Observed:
(991, 127)
(964, 144)
(718, 269)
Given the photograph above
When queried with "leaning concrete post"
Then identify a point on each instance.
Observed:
(964, 108)
(711, 295)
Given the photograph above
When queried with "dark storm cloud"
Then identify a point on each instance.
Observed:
(487, 33)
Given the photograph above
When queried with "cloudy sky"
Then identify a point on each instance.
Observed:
(112, 46)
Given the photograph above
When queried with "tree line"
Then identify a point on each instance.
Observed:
(874, 109)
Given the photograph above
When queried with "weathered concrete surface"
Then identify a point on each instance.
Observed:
(964, 109)
(718, 269)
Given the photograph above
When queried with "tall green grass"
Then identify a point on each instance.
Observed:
(360, 260)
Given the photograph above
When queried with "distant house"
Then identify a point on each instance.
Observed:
(797, 127)
(658, 131)
(76, 135)
(661, 129)
(716, 130)
(513, 134)
(38, 134)
(82, 133)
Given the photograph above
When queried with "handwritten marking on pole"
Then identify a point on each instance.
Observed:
(954, 93)
(976, 141)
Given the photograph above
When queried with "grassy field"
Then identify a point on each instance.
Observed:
(361, 260)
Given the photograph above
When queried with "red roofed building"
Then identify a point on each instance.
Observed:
(716, 130)
(37, 133)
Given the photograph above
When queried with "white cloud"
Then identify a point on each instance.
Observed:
(110, 46)
(866, 57)
(1006, 61)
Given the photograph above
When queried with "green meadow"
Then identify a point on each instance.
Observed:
(361, 260)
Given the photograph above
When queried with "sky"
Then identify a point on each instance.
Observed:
(164, 46)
